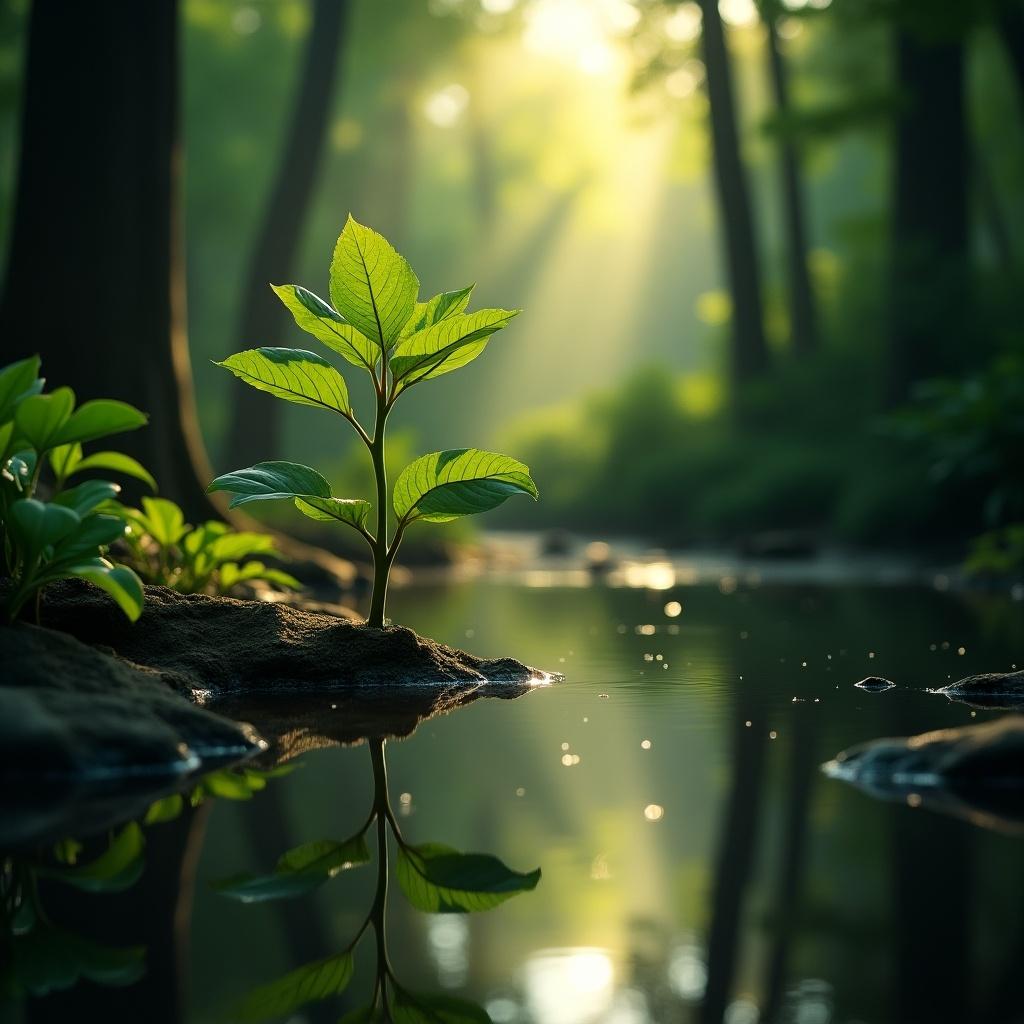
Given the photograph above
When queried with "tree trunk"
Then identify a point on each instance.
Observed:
(734, 866)
(96, 227)
(929, 281)
(255, 421)
(802, 313)
(749, 355)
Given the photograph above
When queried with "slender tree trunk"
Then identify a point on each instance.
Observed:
(749, 356)
(256, 419)
(734, 866)
(802, 312)
(803, 771)
(929, 305)
(94, 279)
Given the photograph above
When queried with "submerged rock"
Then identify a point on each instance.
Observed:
(875, 684)
(220, 646)
(975, 772)
(989, 690)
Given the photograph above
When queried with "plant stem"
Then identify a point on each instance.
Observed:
(383, 813)
(381, 565)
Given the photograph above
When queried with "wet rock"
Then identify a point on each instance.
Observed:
(82, 732)
(975, 772)
(988, 690)
(218, 646)
(875, 684)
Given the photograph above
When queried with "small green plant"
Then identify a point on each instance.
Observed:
(375, 321)
(211, 558)
(44, 541)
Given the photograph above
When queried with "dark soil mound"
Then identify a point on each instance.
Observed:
(219, 646)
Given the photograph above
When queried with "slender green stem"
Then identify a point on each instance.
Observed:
(382, 808)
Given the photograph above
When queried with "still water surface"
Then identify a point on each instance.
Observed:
(697, 866)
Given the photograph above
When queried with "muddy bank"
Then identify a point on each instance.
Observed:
(223, 647)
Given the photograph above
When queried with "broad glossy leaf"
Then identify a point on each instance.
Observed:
(462, 481)
(298, 871)
(118, 581)
(269, 481)
(446, 345)
(119, 463)
(166, 809)
(85, 497)
(232, 546)
(18, 381)
(39, 419)
(327, 325)
(34, 525)
(292, 374)
(64, 458)
(94, 532)
(230, 573)
(371, 285)
(164, 521)
(99, 418)
(306, 984)
(418, 1008)
(202, 538)
(439, 880)
(117, 868)
(443, 305)
(354, 511)
(49, 959)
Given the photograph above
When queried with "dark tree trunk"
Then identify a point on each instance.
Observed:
(256, 418)
(929, 304)
(734, 865)
(94, 279)
(802, 313)
(749, 355)
(803, 770)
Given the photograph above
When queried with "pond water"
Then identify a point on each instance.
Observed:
(696, 864)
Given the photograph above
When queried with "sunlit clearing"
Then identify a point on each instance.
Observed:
(571, 986)
(446, 106)
(738, 12)
(579, 32)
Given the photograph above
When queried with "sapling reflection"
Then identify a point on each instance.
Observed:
(433, 877)
(375, 321)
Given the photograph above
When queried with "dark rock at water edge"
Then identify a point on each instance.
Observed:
(875, 684)
(83, 735)
(222, 646)
(975, 772)
(989, 689)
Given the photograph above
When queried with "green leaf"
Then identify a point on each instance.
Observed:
(229, 785)
(119, 463)
(67, 850)
(39, 419)
(166, 809)
(446, 345)
(85, 497)
(371, 285)
(292, 374)
(49, 959)
(231, 573)
(93, 533)
(234, 545)
(165, 522)
(116, 869)
(440, 880)
(299, 871)
(438, 308)
(98, 418)
(417, 1008)
(354, 511)
(462, 481)
(306, 984)
(327, 325)
(34, 525)
(18, 381)
(117, 580)
(269, 481)
(64, 458)
(363, 1015)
